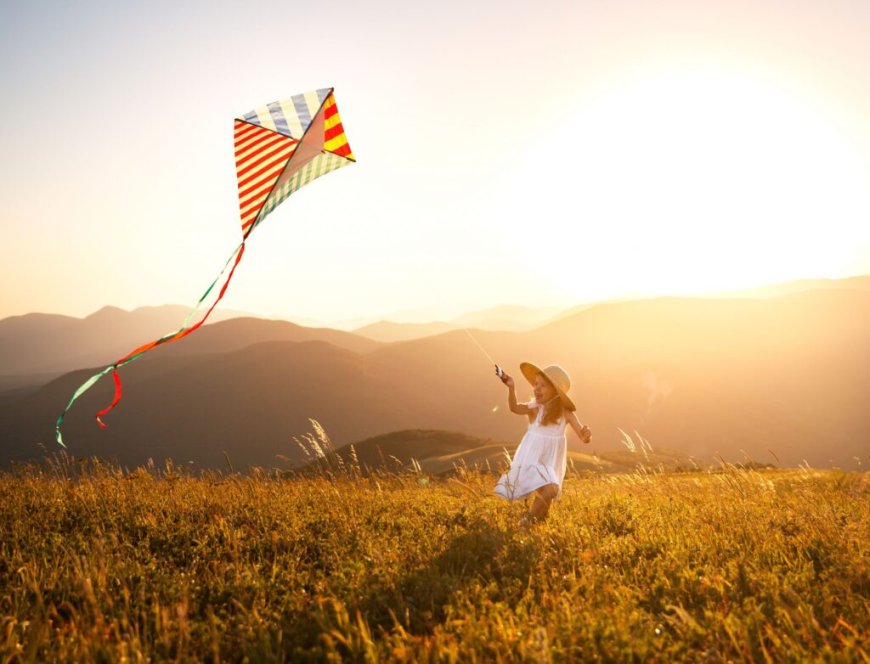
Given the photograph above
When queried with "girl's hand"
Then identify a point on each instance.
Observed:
(586, 434)
(506, 379)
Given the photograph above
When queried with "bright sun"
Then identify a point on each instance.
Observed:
(697, 181)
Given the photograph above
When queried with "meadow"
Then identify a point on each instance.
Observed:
(158, 564)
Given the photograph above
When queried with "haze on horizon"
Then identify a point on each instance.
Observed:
(544, 156)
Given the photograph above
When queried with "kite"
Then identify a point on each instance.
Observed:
(279, 148)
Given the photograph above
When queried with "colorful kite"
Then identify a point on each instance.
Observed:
(279, 148)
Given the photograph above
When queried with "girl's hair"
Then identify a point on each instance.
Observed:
(553, 410)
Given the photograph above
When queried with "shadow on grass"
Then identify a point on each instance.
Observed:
(481, 563)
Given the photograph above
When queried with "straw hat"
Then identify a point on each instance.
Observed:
(556, 375)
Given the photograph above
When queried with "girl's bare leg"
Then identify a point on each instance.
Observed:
(543, 499)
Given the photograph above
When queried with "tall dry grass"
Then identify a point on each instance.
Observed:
(736, 565)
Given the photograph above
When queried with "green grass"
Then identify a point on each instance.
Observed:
(738, 565)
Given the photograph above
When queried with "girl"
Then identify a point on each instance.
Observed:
(538, 465)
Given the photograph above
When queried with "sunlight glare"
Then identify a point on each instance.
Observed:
(696, 181)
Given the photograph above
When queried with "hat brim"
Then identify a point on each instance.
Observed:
(530, 371)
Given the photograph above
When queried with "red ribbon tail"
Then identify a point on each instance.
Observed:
(115, 399)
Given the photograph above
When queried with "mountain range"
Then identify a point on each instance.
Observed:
(36, 347)
(503, 318)
(780, 379)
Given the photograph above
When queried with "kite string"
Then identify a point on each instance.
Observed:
(477, 343)
(182, 332)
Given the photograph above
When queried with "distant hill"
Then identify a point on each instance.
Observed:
(507, 317)
(37, 346)
(778, 380)
(568, 313)
(388, 331)
(239, 333)
(789, 374)
(51, 343)
(501, 318)
(397, 449)
(441, 452)
(193, 407)
(789, 287)
(768, 291)
(43, 343)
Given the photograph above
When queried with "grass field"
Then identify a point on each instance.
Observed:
(736, 565)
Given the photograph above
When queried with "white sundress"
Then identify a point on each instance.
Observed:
(539, 460)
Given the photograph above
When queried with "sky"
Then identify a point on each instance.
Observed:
(542, 154)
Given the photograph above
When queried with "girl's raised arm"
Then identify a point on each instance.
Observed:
(518, 408)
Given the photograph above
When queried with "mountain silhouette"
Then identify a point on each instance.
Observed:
(388, 331)
(45, 345)
(781, 380)
(507, 317)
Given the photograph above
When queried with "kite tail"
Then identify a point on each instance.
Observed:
(135, 354)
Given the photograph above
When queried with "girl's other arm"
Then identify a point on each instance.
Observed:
(583, 432)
